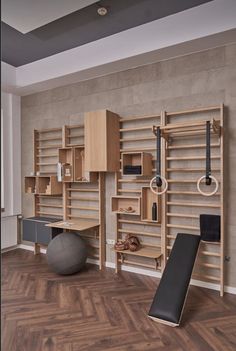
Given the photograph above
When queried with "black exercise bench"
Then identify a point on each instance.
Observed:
(169, 300)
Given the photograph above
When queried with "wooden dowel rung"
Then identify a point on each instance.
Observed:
(82, 190)
(75, 136)
(128, 191)
(146, 138)
(191, 170)
(137, 264)
(83, 198)
(126, 231)
(182, 215)
(191, 158)
(178, 226)
(83, 208)
(136, 118)
(49, 205)
(46, 164)
(197, 110)
(48, 147)
(124, 130)
(191, 146)
(126, 221)
(193, 204)
(46, 156)
(172, 192)
(209, 253)
(144, 149)
(205, 276)
(49, 130)
(50, 213)
(49, 138)
(208, 265)
(75, 126)
(134, 180)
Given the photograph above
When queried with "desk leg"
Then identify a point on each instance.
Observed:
(102, 242)
(36, 249)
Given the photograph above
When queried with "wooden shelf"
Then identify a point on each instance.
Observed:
(143, 252)
(147, 200)
(142, 159)
(118, 202)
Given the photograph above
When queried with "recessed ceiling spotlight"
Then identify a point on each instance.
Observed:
(102, 11)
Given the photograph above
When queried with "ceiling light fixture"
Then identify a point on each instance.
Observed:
(102, 11)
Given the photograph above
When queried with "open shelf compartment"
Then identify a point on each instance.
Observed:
(80, 175)
(141, 160)
(30, 185)
(66, 159)
(124, 202)
(147, 200)
(48, 185)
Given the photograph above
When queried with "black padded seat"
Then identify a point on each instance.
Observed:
(170, 297)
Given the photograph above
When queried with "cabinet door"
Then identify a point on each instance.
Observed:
(95, 141)
(29, 230)
(44, 234)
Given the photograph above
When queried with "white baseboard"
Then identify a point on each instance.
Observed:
(148, 272)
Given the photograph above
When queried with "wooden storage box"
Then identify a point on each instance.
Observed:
(80, 175)
(102, 141)
(30, 185)
(142, 159)
(147, 200)
(48, 185)
(66, 159)
(124, 202)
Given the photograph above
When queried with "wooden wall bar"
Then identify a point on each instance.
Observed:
(183, 162)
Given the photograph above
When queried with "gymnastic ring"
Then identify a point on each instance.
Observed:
(208, 194)
(165, 187)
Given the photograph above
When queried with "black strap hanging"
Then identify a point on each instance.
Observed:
(208, 153)
(158, 160)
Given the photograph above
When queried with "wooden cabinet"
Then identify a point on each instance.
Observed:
(102, 141)
(136, 163)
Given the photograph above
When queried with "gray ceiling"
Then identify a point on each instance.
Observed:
(85, 26)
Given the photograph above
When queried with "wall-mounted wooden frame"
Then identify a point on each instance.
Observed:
(183, 161)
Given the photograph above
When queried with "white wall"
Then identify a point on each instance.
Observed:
(11, 168)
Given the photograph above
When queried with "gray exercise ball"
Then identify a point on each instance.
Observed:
(67, 253)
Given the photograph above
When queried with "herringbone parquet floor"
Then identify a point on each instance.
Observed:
(99, 311)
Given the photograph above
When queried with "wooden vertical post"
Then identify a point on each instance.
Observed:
(102, 242)
(117, 264)
(222, 200)
(164, 196)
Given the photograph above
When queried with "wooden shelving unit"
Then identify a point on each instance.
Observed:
(121, 204)
(43, 185)
(183, 162)
(141, 159)
(79, 203)
(66, 158)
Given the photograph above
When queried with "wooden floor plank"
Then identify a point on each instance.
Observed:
(97, 311)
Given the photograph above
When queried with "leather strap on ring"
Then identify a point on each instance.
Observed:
(158, 156)
(208, 153)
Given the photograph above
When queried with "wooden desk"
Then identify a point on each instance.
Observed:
(79, 225)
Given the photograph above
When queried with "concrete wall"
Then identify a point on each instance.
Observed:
(200, 79)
